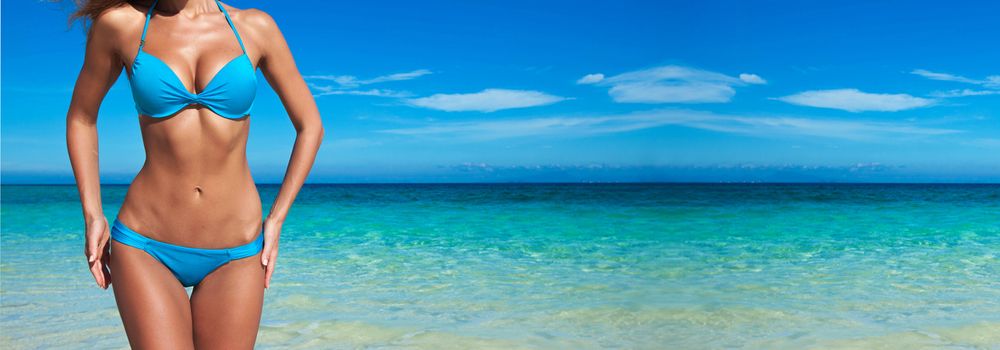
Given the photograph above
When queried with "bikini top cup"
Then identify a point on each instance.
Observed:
(158, 92)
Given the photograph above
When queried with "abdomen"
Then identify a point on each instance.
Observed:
(195, 187)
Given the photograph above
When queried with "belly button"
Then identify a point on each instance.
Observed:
(197, 189)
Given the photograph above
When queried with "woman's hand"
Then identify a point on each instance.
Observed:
(269, 256)
(97, 250)
(278, 67)
(102, 65)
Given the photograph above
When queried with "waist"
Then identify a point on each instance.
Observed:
(197, 208)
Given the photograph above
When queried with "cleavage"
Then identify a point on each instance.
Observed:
(200, 53)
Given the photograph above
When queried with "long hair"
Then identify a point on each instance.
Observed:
(89, 10)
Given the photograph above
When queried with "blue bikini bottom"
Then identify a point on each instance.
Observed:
(190, 265)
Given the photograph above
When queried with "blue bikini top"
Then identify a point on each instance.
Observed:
(158, 92)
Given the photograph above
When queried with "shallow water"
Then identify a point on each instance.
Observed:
(567, 266)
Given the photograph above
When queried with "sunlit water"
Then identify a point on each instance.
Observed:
(585, 266)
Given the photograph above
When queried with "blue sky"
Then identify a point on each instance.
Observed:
(575, 91)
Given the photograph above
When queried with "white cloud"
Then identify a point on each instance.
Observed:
(349, 81)
(589, 125)
(943, 76)
(590, 78)
(853, 100)
(752, 79)
(369, 92)
(399, 76)
(992, 81)
(488, 100)
(964, 92)
(347, 84)
(664, 93)
(669, 84)
(330, 90)
(342, 80)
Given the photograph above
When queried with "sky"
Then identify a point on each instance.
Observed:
(574, 91)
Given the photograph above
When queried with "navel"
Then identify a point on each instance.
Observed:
(197, 190)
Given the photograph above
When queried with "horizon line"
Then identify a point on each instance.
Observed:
(579, 183)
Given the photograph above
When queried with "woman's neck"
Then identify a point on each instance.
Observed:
(187, 7)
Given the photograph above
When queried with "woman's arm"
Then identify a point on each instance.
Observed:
(101, 67)
(279, 69)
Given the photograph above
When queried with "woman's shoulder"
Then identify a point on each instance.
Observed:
(118, 19)
(255, 19)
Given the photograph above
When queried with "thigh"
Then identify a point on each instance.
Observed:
(226, 306)
(154, 307)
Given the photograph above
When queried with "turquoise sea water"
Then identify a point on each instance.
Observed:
(567, 266)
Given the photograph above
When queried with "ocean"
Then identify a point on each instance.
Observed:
(566, 266)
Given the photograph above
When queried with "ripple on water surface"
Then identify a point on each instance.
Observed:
(529, 266)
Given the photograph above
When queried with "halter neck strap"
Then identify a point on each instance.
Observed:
(231, 25)
(145, 26)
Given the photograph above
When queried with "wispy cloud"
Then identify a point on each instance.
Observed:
(322, 90)
(488, 100)
(943, 76)
(853, 100)
(575, 126)
(752, 79)
(348, 84)
(590, 78)
(992, 81)
(349, 81)
(963, 93)
(991, 84)
(671, 84)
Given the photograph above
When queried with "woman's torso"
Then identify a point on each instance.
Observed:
(195, 187)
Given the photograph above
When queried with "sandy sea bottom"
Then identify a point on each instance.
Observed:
(587, 266)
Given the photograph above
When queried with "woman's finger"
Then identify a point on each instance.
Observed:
(270, 268)
(266, 253)
(95, 269)
(270, 245)
(269, 255)
(97, 236)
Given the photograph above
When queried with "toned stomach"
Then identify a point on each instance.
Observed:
(195, 188)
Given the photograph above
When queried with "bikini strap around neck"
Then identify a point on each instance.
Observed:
(142, 40)
(231, 25)
(145, 26)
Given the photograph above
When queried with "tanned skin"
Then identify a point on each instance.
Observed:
(195, 188)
